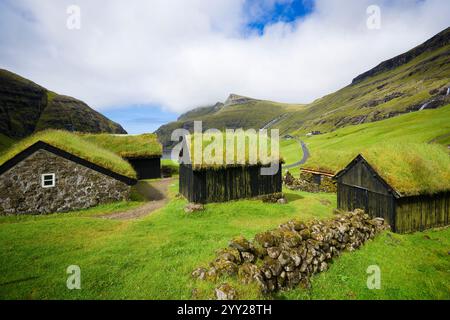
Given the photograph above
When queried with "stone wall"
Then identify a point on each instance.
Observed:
(288, 256)
(77, 187)
(310, 182)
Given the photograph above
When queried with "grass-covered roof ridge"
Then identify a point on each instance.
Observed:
(75, 145)
(240, 158)
(411, 168)
(128, 146)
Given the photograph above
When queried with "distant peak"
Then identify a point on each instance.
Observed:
(234, 99)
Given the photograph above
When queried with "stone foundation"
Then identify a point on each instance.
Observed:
(77, 187)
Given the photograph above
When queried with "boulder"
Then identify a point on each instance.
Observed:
(226, 292)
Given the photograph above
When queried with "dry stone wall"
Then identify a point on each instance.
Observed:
(77, 187)
(288, 256)
(310, 183)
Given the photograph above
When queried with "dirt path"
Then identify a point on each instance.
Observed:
(154, 192)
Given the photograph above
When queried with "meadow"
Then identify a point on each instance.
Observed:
(152, 258)
(334, 150)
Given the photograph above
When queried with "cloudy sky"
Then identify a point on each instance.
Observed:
(142, 62)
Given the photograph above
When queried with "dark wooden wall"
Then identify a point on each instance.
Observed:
(360, 188)
(422, 212)
(149, 168)
(374, 204)
(205, 186)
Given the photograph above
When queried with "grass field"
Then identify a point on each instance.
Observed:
(152, 258)
(334, 150)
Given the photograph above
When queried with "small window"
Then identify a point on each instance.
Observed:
(48, 180)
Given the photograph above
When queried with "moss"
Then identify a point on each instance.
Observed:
(128, 146)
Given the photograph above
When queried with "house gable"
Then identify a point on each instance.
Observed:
(45, 146)
(359, 173)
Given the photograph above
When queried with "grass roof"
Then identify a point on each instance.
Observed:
(411, 168)
(242, 156)
(128, 146)
(75, 145)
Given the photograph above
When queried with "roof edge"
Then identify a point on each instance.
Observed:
(374, 172)
(41, 145)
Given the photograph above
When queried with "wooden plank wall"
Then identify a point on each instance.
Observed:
(422, 212)
(206, 186)
(374, 204)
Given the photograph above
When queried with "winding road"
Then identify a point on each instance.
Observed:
(305, 157)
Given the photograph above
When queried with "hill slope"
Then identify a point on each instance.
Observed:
(26, 107)
(417, 79)
(236, 112)
(332, 151)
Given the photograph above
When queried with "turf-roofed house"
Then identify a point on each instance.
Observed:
(407, 185)
(207, 182)
(57, 171)
(142, 151)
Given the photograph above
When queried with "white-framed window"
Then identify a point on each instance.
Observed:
(48, 180)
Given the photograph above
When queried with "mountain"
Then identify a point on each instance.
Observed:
(26, 107)
(416, 80)
(236, 112)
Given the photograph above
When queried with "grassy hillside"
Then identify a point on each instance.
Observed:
(399, 85)
(26, 107)
(252, 114)
(333, 151)
(153, 258)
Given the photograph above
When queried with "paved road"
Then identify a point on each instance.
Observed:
(306, 155)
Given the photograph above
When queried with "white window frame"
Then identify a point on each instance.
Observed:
(43, 180)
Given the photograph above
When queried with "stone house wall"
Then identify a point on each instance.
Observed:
(77, 187)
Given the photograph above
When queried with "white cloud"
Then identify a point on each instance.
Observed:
(180, 54)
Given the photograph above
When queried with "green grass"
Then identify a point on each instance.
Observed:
(5, 143)
(152, 258)
(128, 146)
(414, 266)
(244, 149)
(73, 144)
(333, 151)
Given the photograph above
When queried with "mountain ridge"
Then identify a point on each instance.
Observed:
(27, 107)
(416, 80)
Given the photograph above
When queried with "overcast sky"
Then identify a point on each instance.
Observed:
(158, 58)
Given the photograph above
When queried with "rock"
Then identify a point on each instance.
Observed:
(193, 207)
(268, 239)
(274, 266)
(199, 273)
(248, 257)
(247, 272)
(229, 254)
(282, 201)
(241, 244)
(273, 252)
(226, 292)
(224, 267)
(271, 198)
(284, 258)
